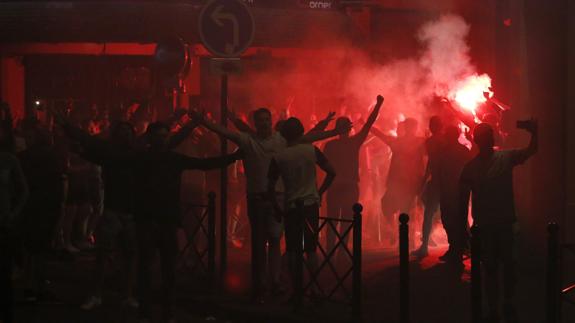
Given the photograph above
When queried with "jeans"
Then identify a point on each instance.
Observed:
(162, 236)
(265, 230)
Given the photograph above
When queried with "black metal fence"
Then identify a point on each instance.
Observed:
(557, 291)
(404, 268)
(198, 256)
(337, 278)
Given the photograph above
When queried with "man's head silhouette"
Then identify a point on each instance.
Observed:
(483, 136)
(343, 122)
(263, 121)
(410, 125)
(292, 129)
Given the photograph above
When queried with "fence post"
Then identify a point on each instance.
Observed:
(212, 236)
(476, 285)
(553, 286)
(404, 268)
(356, 280)
(298, 275)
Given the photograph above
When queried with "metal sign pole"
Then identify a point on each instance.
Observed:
(224, 181)
(227, 29)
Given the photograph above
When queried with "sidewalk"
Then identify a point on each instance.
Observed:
(438, 295)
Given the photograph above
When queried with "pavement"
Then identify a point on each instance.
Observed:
(439, 294)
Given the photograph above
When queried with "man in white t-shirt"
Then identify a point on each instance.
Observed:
(296, 166)
(258, 148)
(489, 179)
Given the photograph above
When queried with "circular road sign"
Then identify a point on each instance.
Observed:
(226, 27)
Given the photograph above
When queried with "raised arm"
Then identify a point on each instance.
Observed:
(218, 129)
(389, 140)
(364, 132)
(321, 135)
(76, 133)
(325, 165)
(322, 125)
(523, 154)
(185, 162)
(240, 124)
(182, 134)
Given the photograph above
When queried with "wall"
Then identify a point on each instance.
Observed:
(12, 84)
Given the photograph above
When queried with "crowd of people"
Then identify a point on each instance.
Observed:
(77, 184)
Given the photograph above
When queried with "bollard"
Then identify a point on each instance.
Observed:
(211, 236)
(298, 277)
(476, 296)
(404, 268)
(356, 278)
(553, 286)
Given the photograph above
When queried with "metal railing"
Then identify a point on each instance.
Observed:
(198, 256)
(346, 288)
(557, 292)
(404, 268)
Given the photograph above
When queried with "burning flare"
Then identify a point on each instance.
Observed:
(472, 92)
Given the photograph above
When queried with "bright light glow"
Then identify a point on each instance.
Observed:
(37, 102)
(471, 92)
(462, 137)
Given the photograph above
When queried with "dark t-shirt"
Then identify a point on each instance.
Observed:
(118, 179)
(491, 183)
(157, 179)
(406, 168)
(343, 154)
(44, 169)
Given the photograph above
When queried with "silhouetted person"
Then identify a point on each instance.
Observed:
(296, 166)
(157, 179)
(258, 147)
(489, 178)
(454, 156)
(430, 194)
(406, 171)
(344, 156)
(84, 183)
(145, 183)
(13, 194)
(45, 171)
(116, 226)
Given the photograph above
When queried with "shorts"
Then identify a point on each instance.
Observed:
(116, 228)
(304, 222)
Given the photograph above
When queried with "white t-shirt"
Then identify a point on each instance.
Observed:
(297, 168)
(258, 154)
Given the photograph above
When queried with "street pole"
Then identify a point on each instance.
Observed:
(224, 181)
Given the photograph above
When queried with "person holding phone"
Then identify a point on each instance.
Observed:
(489, 177)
